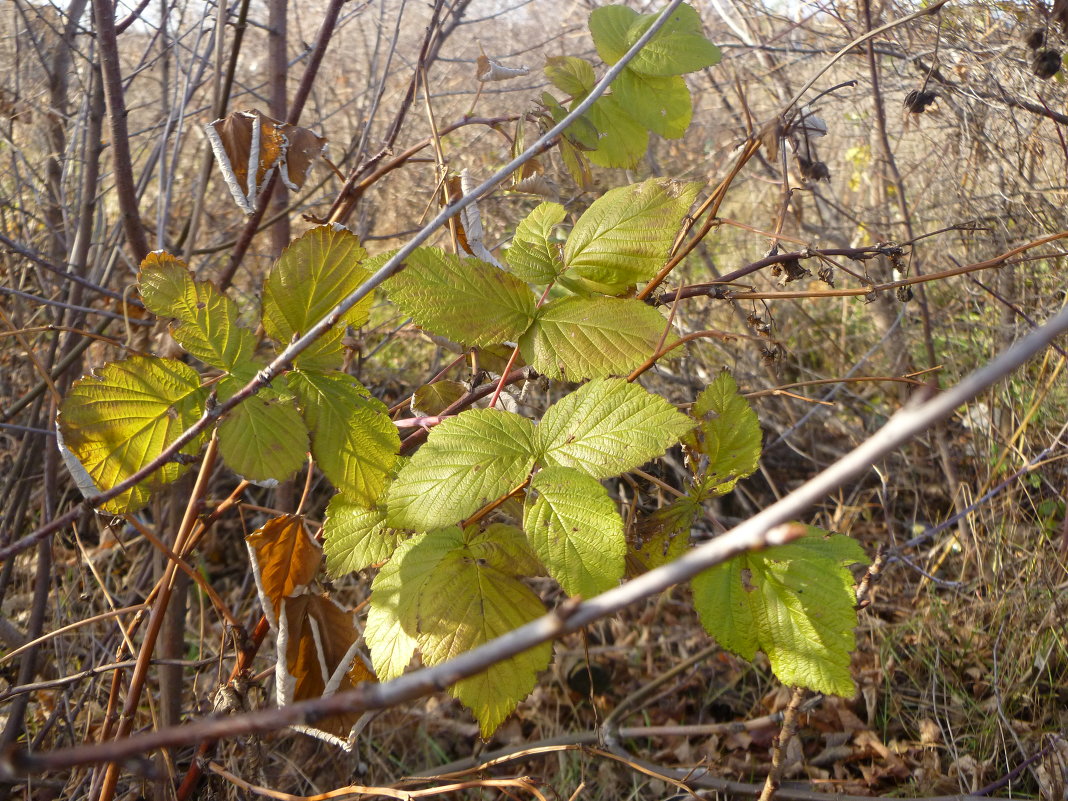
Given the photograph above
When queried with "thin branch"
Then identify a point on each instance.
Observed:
(104, 15)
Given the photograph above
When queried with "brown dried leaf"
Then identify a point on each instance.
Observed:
(247, 142)
(317, 656)
(284, 557)
(453, 192)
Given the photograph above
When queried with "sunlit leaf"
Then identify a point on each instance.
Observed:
(794, 602)
(728, 433)
(463, 594)
(206, 320)
(466, 462)
(313, 275)
(535, 255)
(123, 415)
(609, 26)
(575, 338)
(621, 140)
(608, 427)
(355, 537)
(576, 531)
(263, 438)
(625, 236)
(571, 75)
(466, 300)
(353, 439)
(661, 104)
(392, 619)
(677, 48)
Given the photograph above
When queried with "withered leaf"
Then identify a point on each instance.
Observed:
(284, 558)
(317, 656)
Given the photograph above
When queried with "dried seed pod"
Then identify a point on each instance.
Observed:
(904, 293)
(1046, 63)
(813, 170)
(916, 102)
(1036, 38)
(789, 270)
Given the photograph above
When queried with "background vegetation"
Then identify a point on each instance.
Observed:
(943, 137)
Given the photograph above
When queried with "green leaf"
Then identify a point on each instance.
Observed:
(609, 26)
(580, 132)
(312, 276)
(794, 602)
(535, 254)
(728, 433)
(663, 536)
(621, 141)
(576, 531)
(355, 537)
(625, 236)
(662, 105)
(467, 461)
(206, 319)
(677, 48)
(354, 441)
(573, 76)
(432, 399)
(447, 592)
(392, 620)
(466, 300)
(123, 415)
(263, 438)
(608, 427)
(577, 165)
(507, 549)
(574, 338)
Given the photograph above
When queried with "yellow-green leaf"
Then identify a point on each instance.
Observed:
(576, 531)
(677, 48)
(355, 537)
(625, 236)
(313, 275)
(466, 462)
(609, 26)
(353, 440)
(466, 300)
(123, 415)
(206, 320)
(794, 602)
(728, 433)
(571, 75)
(608, 427)
(661, 104)
(574, 338)
(621, 141)
(535, 254)
(262, 439)
(445, 590)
